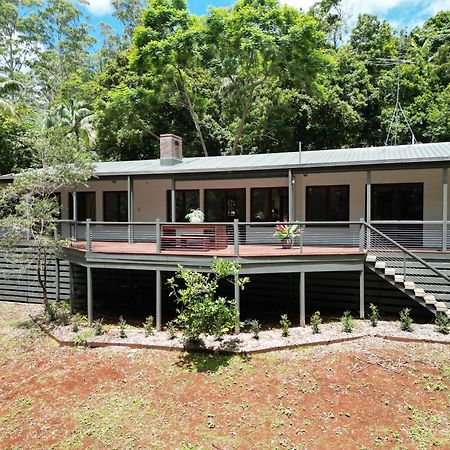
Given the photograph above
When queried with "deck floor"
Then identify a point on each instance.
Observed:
(247, 250)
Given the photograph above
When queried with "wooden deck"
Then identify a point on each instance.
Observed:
(247, 250)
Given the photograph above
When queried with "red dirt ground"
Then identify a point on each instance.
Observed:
(361, 395)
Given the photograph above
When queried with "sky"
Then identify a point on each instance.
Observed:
(400, 13)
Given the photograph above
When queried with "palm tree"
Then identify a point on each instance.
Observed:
(8, 87)
(76, 118)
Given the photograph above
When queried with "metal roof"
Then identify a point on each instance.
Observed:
(320, 160)
(399, 154)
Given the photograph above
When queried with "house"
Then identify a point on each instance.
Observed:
(379, 210)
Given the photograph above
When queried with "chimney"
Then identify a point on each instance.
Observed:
(171, 149)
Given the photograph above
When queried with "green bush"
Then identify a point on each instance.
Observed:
(171, 329)
(347, 322)
(405, 320)
(75, 326)
(149, 329)
(374, 315)
(255, 328)
(442, 323)
(201, 312)
(285, 325)
(122, 326)
(82, 338)
(315, 321)
(98, 327)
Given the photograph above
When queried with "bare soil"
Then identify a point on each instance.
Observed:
(365, 394)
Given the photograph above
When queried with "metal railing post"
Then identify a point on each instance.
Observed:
(302, 230)
(158, 236)
(404, 264)
(88, 235)
(236, 236)
(361, 234)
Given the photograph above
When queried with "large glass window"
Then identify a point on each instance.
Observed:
(85, 206)
(115, 206)
(225, 205)
(327, 203)
(185, 201)
(269, 204)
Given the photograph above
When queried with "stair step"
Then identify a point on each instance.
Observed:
(371, 258)
(441, 306)
(380, 265)
(419, 292)
(430, 299)
(399, 278)
(409, 285)
(389, 271)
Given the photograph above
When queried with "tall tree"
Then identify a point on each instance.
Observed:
(129, 13)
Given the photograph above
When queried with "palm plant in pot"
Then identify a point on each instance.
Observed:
(287, 233)
(195, 216)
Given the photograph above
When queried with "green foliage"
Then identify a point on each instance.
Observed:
(122, 327)
(98, 327)
(285, 325)
(315, 322)
(374, 315)
(201, 312)
(171, 329)
(442, 323)
(347, 322)
(149, 329)
(75, 325)
(406, 320)
(82, 337)
(255, 328)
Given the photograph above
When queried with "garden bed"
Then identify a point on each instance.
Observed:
(269, 340)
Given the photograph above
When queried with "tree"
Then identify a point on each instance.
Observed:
(257, 42)
(29, 204)
(129, 13)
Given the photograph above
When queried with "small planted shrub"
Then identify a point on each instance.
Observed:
(52, 312)
(255, 328)
(347, 322)
(81, 338)
(315, 321)
(122, 326)
(149, 329)
(285, 325)
(171, 329)
(405, 320)
(98, 327)
(374, 315)
(442, 323)
(76, 326)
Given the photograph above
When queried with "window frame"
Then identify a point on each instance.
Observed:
(328, 188)
(268, 202)
(169, 202)
(79, 203)
(119, 194)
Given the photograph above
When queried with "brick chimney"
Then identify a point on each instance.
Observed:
(171, 149)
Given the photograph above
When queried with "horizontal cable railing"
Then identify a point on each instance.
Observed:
(404, 262)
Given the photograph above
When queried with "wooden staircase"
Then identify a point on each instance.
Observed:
(428, 288)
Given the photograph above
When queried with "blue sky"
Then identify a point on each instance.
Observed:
(400, 13)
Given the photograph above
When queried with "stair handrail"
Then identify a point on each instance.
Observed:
(405, 250)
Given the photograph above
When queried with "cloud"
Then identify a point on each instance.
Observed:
(99, 7)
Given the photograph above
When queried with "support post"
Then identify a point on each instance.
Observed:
(130, 196)
(302, 300)
(158, 300)
(158, 236)
(444, 208)
(361, 294)
(291, 196)
(57, 281)
(236, 237)
(173, 200)
(74, 213)
(72, 286)
(237, 298)
(368, 204)
(361, 234)
(88, 235)
(90, 306)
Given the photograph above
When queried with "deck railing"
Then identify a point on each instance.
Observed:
(415, 235)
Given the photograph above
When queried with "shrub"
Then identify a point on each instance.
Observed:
(122, 326)
(255, 328)
(98, 327)
(52, 312)
(171, 329)
(374, 315)
(442, 323)
(148, 326)
(405, 320)
(201, 312)
(75, 326)
(347, 322)
(285, 325)
(82, 338)
(315, 321)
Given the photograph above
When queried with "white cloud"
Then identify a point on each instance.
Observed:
(99, 7)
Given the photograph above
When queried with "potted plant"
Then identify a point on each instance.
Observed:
(195, 216)
(287, 233)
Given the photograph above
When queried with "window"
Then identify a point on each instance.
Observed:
(327, 203)
(85, 206)
(185, 200)
(225, 205)
(269, 204)
(115, 206)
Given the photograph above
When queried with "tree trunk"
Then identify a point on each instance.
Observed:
(42, 278)
(196, 124)
(240, 129)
